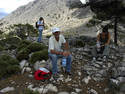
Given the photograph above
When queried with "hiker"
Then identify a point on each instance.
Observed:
(102, 45)
(40, 25)
(56, 41)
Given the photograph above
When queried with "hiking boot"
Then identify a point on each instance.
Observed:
(68, 73)
(56, 76)
(94, 59)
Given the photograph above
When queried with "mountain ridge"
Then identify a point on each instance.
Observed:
(55, 12)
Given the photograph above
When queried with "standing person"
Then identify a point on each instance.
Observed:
(55, 51)
(102, 46)
(40, 25)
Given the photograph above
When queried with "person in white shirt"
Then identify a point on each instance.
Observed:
(40, 24)
(56, 41)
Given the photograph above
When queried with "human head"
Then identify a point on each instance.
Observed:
(105, 29)
(41, 18)
(56, 31)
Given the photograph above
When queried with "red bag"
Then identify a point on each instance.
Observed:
(42, 74)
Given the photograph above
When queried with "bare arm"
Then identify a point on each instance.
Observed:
(56, 52)
(41, 24)
(98, 38)
(64, 53)
(66, 46)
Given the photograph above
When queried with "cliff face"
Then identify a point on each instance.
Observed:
(61, 13)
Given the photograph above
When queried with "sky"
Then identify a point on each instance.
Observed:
(7, 6)
(83, 1)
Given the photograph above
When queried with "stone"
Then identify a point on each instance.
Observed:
(86, 79)
(92, 91)
(7, 89)
(23, 63)
(63, 92)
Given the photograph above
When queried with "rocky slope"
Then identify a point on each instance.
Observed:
(87, 77)
(62, 13)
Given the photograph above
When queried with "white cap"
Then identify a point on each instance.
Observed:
(55, 29)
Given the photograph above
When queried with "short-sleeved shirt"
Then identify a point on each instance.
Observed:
(40, 23)
(56, 45)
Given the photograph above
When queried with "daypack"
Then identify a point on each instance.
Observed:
(36, 25)
(42, 74)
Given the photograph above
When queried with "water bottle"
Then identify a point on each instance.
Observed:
(98, 46)
(64, 61)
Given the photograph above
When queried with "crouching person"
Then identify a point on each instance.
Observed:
(102, 46)
(56, 41)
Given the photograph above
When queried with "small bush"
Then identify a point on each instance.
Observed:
(1, 48)
(36, 47)
(38, 56)
(79, 43)
(8, 66)
(46, 27)
(92, 43)
(2, 43)
(23, 54)
(28, 91)
(48, 36)
(23, 44)
(93, 22)
(12, 40)
(10, 43)
(13, 46)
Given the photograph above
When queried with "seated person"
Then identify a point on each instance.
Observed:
(102, 46)
(55, 51)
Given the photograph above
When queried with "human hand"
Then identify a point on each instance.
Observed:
(66, 53)
(102, 45)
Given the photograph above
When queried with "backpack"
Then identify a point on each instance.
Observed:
(36, 25)
(42, 74)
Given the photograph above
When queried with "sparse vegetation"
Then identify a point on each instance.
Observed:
(80, 43)
(26, 47)
(23, 44)
(10, 43)
(28, 91)
(46, 27)
(33, 47)
(1, 48)
(8, 66)
(93, 22)
(48, 36)
(23, 54)
(38, 56)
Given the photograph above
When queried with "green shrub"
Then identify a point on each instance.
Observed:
(28, 91)
(8, 66)
(40, 55)
(12, 40)
(2, 43)
(48, 36)
(10, 43)
(79, 43)
(1, 48)
(23, 54)
(23, 44)
(36, 47)
(46, 27)
(93, 22)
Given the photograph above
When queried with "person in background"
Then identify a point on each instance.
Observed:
(40, 25)
(102, 45)
(56, 41)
